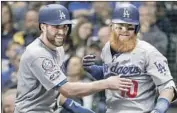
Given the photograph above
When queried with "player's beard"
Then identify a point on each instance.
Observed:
(54, 41)
(122, 46)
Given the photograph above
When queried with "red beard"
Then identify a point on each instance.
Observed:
(122, 46)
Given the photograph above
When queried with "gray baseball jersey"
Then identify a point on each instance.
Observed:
(39, 77)
(146, 67)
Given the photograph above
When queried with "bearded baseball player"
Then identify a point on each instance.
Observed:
(126, 56)
(40, 75)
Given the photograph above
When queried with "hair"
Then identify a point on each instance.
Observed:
(82, 72)
(33, 10)
(5, 4)
(75, 34)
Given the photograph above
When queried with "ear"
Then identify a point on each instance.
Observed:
(43, 27)
(111, 27)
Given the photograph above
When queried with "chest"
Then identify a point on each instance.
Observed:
(129, 64)
(59, 62)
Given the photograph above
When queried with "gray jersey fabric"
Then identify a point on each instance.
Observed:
(39, 74)
(147, 67)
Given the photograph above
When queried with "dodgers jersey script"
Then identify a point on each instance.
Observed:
(39, 73)
(147, 68)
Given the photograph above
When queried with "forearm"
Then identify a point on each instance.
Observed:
(83, 89)
(164, 100)
(73, 106)
(167, 94)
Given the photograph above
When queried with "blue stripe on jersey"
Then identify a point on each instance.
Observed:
(61, 83)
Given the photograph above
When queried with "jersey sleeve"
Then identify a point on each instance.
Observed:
(47, 72)
(157, 67)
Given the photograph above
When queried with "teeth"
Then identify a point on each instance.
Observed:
(124, 35)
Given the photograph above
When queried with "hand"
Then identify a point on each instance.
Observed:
(117, 83)
(88, 61)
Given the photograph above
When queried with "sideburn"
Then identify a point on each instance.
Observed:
(122, 46)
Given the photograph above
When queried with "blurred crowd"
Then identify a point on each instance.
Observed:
(90, 31)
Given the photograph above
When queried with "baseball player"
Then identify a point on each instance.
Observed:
(128, 57)
(40, 75)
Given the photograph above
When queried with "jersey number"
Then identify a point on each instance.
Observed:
(132, 92)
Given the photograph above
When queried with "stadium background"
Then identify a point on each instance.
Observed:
(90, 31)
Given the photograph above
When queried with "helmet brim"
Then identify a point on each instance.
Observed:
(125, 22)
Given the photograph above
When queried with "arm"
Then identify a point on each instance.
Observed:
(82, 89)
(165, 98)
(168, 94)
(160, 73)
(72, 106)
(96, 72)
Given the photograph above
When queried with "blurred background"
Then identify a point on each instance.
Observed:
(90, 31)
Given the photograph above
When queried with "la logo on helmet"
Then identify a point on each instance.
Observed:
(126, 13)
(62, 15)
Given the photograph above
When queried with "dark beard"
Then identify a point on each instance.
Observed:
(52, 40)
(122, 46)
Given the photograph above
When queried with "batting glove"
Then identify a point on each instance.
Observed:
(88, 61)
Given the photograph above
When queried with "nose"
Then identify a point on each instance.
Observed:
(61, 31)
(124, 29)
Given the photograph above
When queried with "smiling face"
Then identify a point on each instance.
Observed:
(123, 37)
(56, 34)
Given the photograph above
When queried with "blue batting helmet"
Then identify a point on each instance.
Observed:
(54, 14)
(126, 13)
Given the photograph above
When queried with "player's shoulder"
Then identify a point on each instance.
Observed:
(106, 46)
(145, 46)
(35, 50)
(148, 50)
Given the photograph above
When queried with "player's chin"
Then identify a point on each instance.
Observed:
(58, 44)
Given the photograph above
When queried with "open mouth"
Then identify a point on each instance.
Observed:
(59, 37)
(123, 35)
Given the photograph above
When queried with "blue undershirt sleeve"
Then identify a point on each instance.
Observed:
(96, 72)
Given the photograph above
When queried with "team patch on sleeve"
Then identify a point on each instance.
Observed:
(47, 64)
(161, 67)
(50, 69)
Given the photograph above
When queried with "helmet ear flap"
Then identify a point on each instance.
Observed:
(137, 28)
(69, 30)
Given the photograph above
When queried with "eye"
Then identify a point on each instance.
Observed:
(66, 26)
(117, 26)
(131, 28)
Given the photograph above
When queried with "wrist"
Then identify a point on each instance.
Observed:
(74, 107)
(162, 105)
(101, 84)
(62, 99)
(106, 84)
(67, 103)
